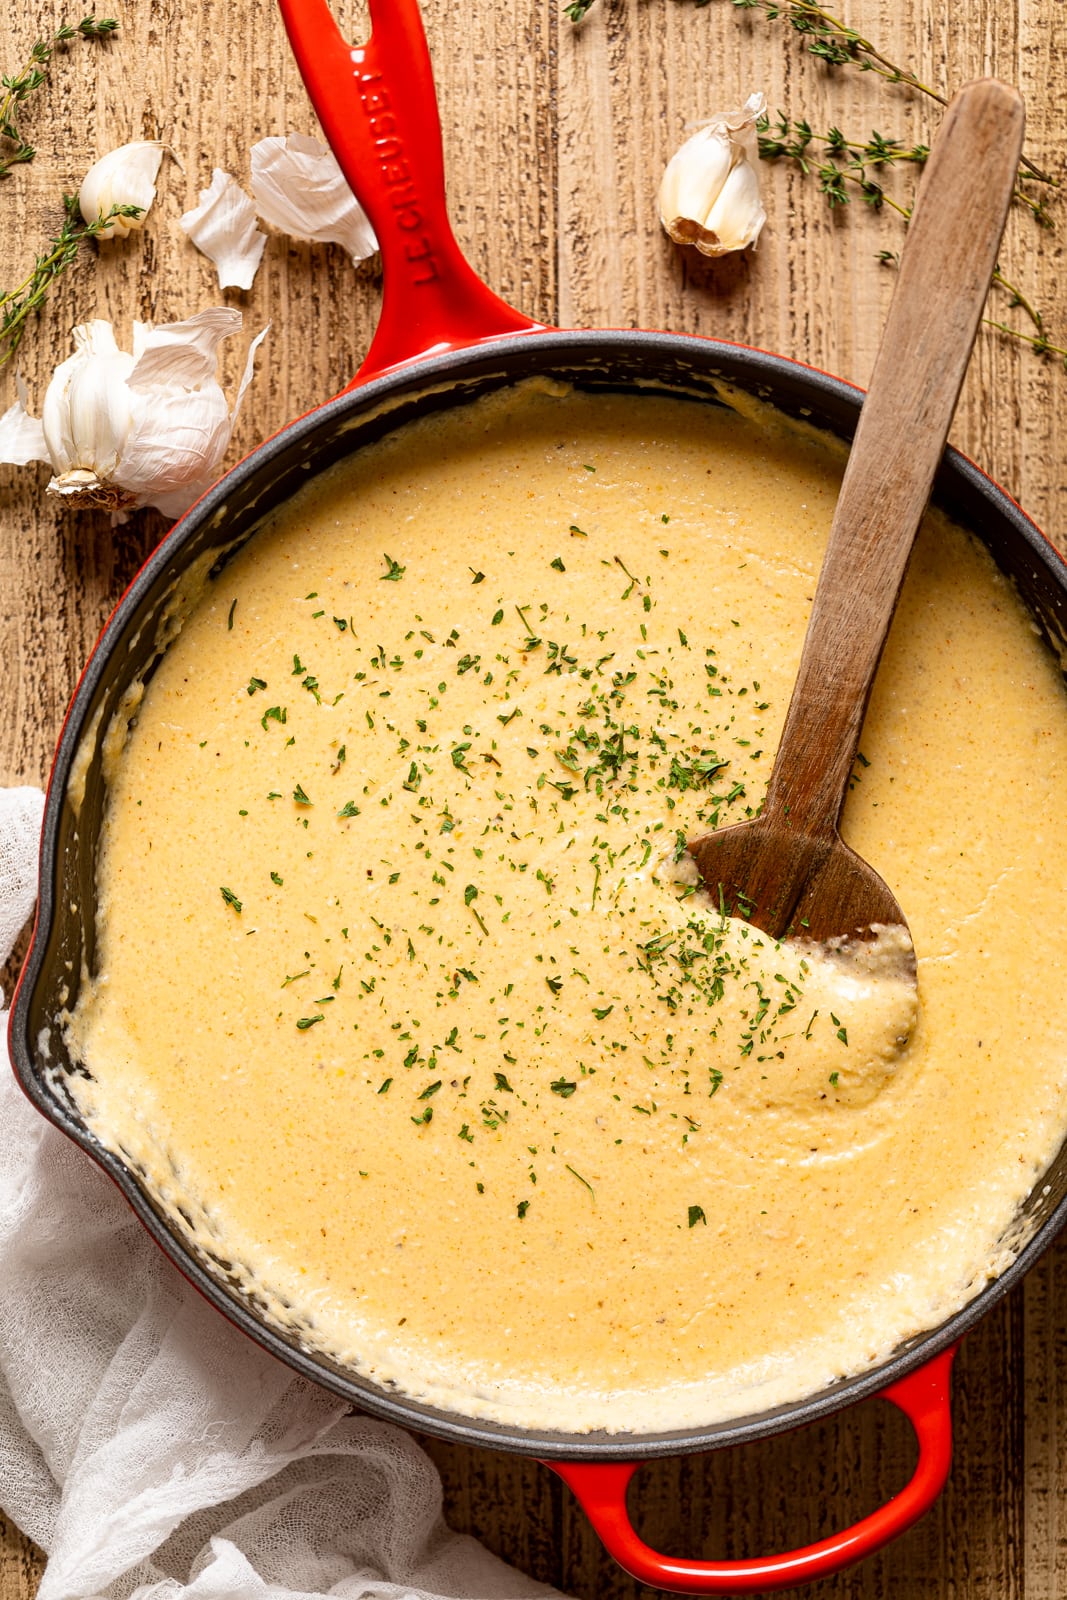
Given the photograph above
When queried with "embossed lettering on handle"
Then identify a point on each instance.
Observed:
(378, 109)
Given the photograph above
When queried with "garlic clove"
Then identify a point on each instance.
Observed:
(22, 437)
(123, 177)
(87, 410)
(737, 217)
(300, 189)
(694, 176)
(223, 228)
(709, 194)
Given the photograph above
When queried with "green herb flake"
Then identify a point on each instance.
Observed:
(696, 1214)
(394, 571)
(584, 1182)
(522, 1208)
(230, 898)
(304, 1023)
(275, 877)
(300, 797)
(254, 684)
(564, 1089)
(229, 619)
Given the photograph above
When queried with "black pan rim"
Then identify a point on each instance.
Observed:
(762, 369)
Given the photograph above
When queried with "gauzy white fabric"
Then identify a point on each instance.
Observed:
(149, 1448)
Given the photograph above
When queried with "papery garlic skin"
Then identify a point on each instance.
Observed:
(22, 438)
(223, 228)
(709, 195)
(124, 177)
(300, 189)
(143, 428)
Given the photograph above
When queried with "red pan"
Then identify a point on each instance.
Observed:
(445, 338)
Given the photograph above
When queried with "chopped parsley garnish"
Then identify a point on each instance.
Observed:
(394, 571)
(230, 898)
(696, 1214)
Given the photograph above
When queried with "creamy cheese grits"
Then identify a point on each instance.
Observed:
(407, 1002)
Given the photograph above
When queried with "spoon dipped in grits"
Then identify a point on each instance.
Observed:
(788, 871)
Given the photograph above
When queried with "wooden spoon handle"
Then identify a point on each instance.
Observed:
(945, 273)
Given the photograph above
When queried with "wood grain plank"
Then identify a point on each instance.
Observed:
(555, 138)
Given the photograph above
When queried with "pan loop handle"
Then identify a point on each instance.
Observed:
(923, 1396)
(378, 109)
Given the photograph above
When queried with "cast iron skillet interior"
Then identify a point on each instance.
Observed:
(64, 941)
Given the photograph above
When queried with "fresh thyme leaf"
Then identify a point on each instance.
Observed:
(19, 85)
(304, 1023)
(230, 898)
(19, 303)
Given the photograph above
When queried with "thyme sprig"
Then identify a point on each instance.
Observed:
(20, 85)
(19, 303)
(847, 166)
(797, 141)
(838, 45)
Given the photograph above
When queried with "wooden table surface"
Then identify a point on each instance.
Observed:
(555, 138)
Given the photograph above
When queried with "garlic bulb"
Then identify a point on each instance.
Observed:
(300, 189)
(143, 428)
(223, 228)
(709, 196)
(124, 177)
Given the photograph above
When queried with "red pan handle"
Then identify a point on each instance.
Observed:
(378, 109)
(923, 1397)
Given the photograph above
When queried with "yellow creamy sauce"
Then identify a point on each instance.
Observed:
(405, 1005)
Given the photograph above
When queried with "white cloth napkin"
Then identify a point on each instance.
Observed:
(149, 1448)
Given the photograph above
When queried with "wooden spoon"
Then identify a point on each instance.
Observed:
(788, 871)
